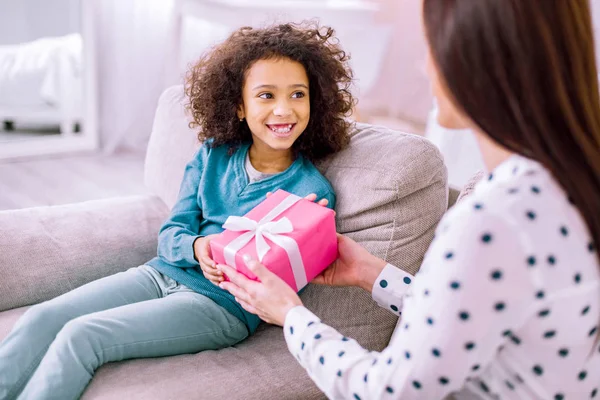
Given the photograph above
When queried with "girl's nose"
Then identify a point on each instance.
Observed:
(282, 110)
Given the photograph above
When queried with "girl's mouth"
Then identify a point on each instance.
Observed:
(281, 130)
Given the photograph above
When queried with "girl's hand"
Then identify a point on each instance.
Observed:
(355, 266)
(203, 254)
(270, 299)
(313, 197)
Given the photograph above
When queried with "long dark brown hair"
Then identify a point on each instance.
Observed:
(525, 73)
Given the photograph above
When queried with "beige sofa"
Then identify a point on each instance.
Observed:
(391, 191)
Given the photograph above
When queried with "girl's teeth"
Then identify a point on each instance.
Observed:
(283, 129)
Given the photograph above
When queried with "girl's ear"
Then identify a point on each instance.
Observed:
(240, 113)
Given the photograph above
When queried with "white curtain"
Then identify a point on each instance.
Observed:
(401, 88)
(132, 40)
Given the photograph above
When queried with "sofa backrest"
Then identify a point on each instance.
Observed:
(391, 192)
(172, 145)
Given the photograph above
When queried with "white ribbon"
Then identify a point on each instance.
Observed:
(272, 230)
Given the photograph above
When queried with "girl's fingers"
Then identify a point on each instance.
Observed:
(205, 253)
(207, 260)
(208, 270)
(311, 197)
(215, 280)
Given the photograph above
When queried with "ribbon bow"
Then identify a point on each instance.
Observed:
(258, 230)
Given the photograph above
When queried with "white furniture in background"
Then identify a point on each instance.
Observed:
(459, 149)
(73, 105)
(41, 82)
(199, 24)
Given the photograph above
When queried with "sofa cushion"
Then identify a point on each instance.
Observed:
(47, 251)
(172, 145)
(258, 368)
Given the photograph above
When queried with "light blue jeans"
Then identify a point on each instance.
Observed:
(54, 349)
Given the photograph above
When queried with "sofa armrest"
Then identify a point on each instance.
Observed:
(47, 251)
(453, 194)
(470, 185)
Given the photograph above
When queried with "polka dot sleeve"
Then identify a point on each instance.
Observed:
(474, 283)
(389, 288)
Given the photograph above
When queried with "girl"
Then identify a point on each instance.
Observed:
(268, 102)
(507, 302)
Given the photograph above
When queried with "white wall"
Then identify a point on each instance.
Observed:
(26, 20)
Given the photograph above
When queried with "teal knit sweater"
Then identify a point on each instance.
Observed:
(215, 185)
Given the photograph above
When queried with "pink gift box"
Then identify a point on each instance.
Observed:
(311, 226)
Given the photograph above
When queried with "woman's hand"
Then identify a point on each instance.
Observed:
(270, 299)
(203, 254)
(355, 266)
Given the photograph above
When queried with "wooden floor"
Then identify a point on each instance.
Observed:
(68, 179)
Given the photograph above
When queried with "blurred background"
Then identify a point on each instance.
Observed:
(80, 80)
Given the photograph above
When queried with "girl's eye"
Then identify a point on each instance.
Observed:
(265, 96)
(298, 95)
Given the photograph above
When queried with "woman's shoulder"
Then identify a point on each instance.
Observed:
(523, 200)
(518, 187)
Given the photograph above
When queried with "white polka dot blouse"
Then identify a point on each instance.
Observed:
(506, 305)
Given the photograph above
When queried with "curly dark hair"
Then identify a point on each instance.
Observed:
(214, 85)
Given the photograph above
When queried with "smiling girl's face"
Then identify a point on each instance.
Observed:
(275, 103)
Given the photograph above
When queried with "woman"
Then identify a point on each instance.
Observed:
(507, 302)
